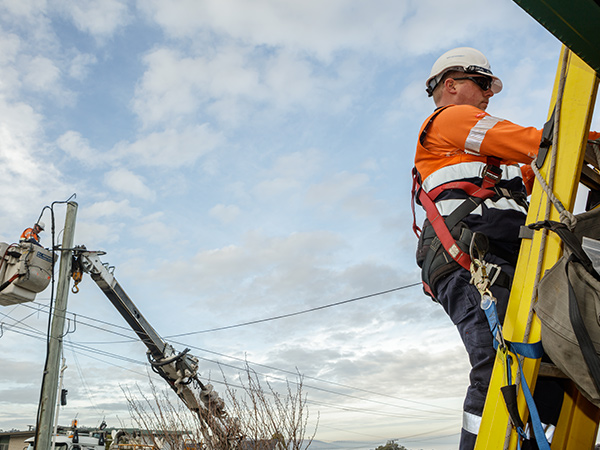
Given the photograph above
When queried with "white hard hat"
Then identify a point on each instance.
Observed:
(463, 59)
(41, 224)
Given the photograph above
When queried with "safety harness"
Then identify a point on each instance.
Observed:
(449, 233)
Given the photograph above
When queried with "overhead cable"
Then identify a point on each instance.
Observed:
(297, 313)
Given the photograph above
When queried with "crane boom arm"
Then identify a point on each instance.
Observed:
(178, 369)
(121, 301)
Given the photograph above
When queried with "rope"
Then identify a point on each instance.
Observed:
(566, 216)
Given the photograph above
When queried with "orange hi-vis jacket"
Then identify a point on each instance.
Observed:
(454, 145)
(29, 234)
(464, 133)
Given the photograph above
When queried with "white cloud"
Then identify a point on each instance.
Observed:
(154, 230)
(348, 190)
(9, 47)
(233, 81)
(77, 147)
(225, 213)
(298, 165)
(27, 177)
(25, 8)
(276, 186)
(93, 233)
(170, 148)
(100, 19)
(289, 173)
(109, 208)
(318, 27)
(126, 182)
(260, 261)
(176, 85)
(80, 65)
(41, 74)
(370, 164)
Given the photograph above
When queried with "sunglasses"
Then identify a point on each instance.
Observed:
(483, 82)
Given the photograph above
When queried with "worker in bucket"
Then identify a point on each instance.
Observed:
(460, 150)
(32, 235)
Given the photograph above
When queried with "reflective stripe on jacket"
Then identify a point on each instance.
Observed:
(455, 146)
(464, 133)
(448, 202)
(29, 234)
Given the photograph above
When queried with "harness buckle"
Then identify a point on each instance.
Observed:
(491, 173)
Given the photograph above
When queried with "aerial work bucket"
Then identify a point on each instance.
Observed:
(25, 270)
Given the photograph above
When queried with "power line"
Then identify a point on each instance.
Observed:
(76, 348)
(353, 388)
(84, 383)
(283, 316)
(92, 350)
(295, 373)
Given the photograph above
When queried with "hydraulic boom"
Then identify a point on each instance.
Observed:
(178, 369)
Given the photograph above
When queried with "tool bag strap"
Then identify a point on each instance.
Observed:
(583, 338)
(570, 240)
(577, 255)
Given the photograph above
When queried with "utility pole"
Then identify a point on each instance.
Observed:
(58, 401)
(49, 392)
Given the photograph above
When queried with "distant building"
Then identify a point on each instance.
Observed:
(270, 444)
(14, 440)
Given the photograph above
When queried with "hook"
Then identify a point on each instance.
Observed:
(69, 331)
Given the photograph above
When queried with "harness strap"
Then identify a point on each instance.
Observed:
(492, 172)
(413, 194)
(471, 189)
(441, 229)
(426, 127)
(536, 423)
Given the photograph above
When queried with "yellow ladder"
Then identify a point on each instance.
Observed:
(578, 423)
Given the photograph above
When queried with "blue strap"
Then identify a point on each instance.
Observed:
(491, 313)
(536, 423)
(532, 351)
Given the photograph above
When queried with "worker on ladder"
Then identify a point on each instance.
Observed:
(33, 234)
(472, 176)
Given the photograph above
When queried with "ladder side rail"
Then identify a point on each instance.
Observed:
(577, 107)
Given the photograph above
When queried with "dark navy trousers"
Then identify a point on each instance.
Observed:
(461, 301)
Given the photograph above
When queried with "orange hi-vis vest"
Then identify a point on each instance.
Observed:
(29, 234)
(457, 146)
(466, 134)
(455, 143)
(460, 156)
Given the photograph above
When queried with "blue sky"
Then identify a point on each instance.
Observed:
(240, 160)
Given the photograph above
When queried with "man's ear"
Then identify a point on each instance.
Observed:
(450, 85)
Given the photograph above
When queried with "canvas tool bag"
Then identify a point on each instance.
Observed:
(568, 307)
